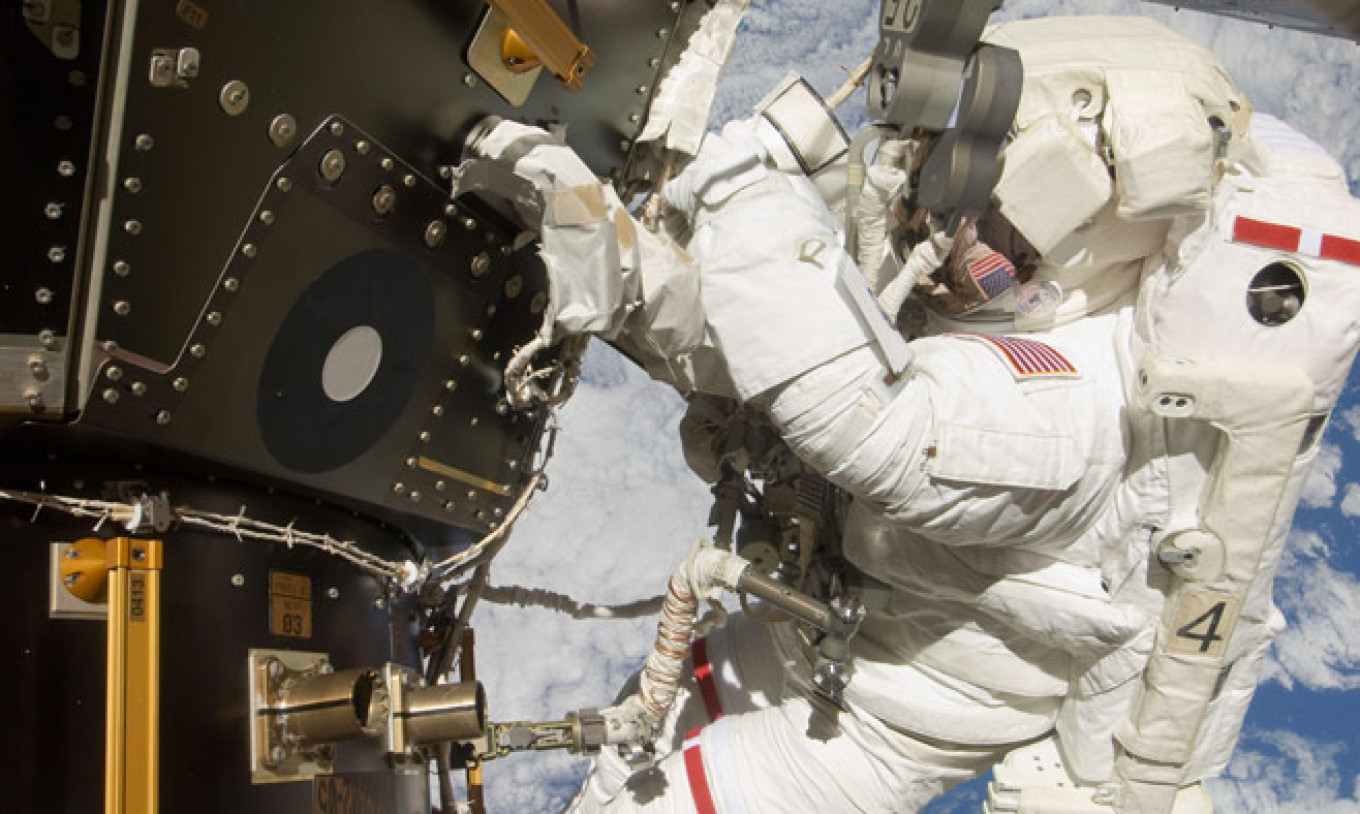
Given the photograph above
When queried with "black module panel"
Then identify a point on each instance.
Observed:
(215, 607)
(49, 71)
(200, 153)
(354, 343)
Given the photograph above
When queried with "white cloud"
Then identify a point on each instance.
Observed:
(1320, 649)
(1319, 490)
(1284, 772)
(1350, 504)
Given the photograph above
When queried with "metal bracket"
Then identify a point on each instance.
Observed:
(271, 758)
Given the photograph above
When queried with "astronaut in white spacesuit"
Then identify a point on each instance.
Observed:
(1077, 491)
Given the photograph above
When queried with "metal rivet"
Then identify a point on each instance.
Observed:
(424, 437)
(180, 384)
(109, 346)
(415, 496)
(379, 603)
(132, 226)
(47, 338)
(481, 264)
(465, 360)
(231, 284)
(512, 465)
(384, 199)
(283, 185)
(267, 217)
(337, 129)
(450, 210)
(411, 462)
(56, 254)
(450, 385)
(502, 408)
(66, 169)
(386, 164)
(38, 368)
(654, 61)
(332, 166)
(437, 410)
(471, 495)
(474, 421)
(469, 80)
(491, 310)
(399, 487)
(469, 224)
(448, 505)
(121, 268)
(234, 98)
(476, 334)
(163, 418)
(634, 117)
(52, 210)
(663, 33)
(113, 373)
(435, 232)
(132, 184)
(497, 512)
(197, 351)
(237, 580)
(409, 180)
(642, 89)
(440, 486)
(122, 308)
(137, 388)
(214, 318)
(144, 142)
(138, 554)
(332, 593)
(111, 395)
(362, 147)
(282, 130)
(248, 250)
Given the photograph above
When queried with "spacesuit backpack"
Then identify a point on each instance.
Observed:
(1245, 332)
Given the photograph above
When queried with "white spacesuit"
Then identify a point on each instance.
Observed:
(1077, 509)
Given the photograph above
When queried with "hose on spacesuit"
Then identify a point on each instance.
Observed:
(704, 574)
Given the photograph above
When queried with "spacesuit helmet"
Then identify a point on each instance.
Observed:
(1122, 125)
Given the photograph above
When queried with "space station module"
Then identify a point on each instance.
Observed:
(1070, 491)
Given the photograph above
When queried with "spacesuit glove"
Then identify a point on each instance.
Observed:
(589, 243)
(726, 163)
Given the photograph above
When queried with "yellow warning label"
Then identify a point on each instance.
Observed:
(290, 605)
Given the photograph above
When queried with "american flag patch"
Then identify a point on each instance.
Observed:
(1027, 358)
(992, 272)
(1293, 239)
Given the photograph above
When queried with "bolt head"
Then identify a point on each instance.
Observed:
(56, 254)
(121, 268)
(66, 169)
(163, 418)
(144, 142)
(180, 384)
(44, 296)
(237, 580)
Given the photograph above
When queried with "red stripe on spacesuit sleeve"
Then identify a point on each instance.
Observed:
(1268, 235)
(1341, 249)
(703, 675)
(698, 778)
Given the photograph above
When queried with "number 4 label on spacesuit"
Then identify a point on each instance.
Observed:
(1204, 623)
